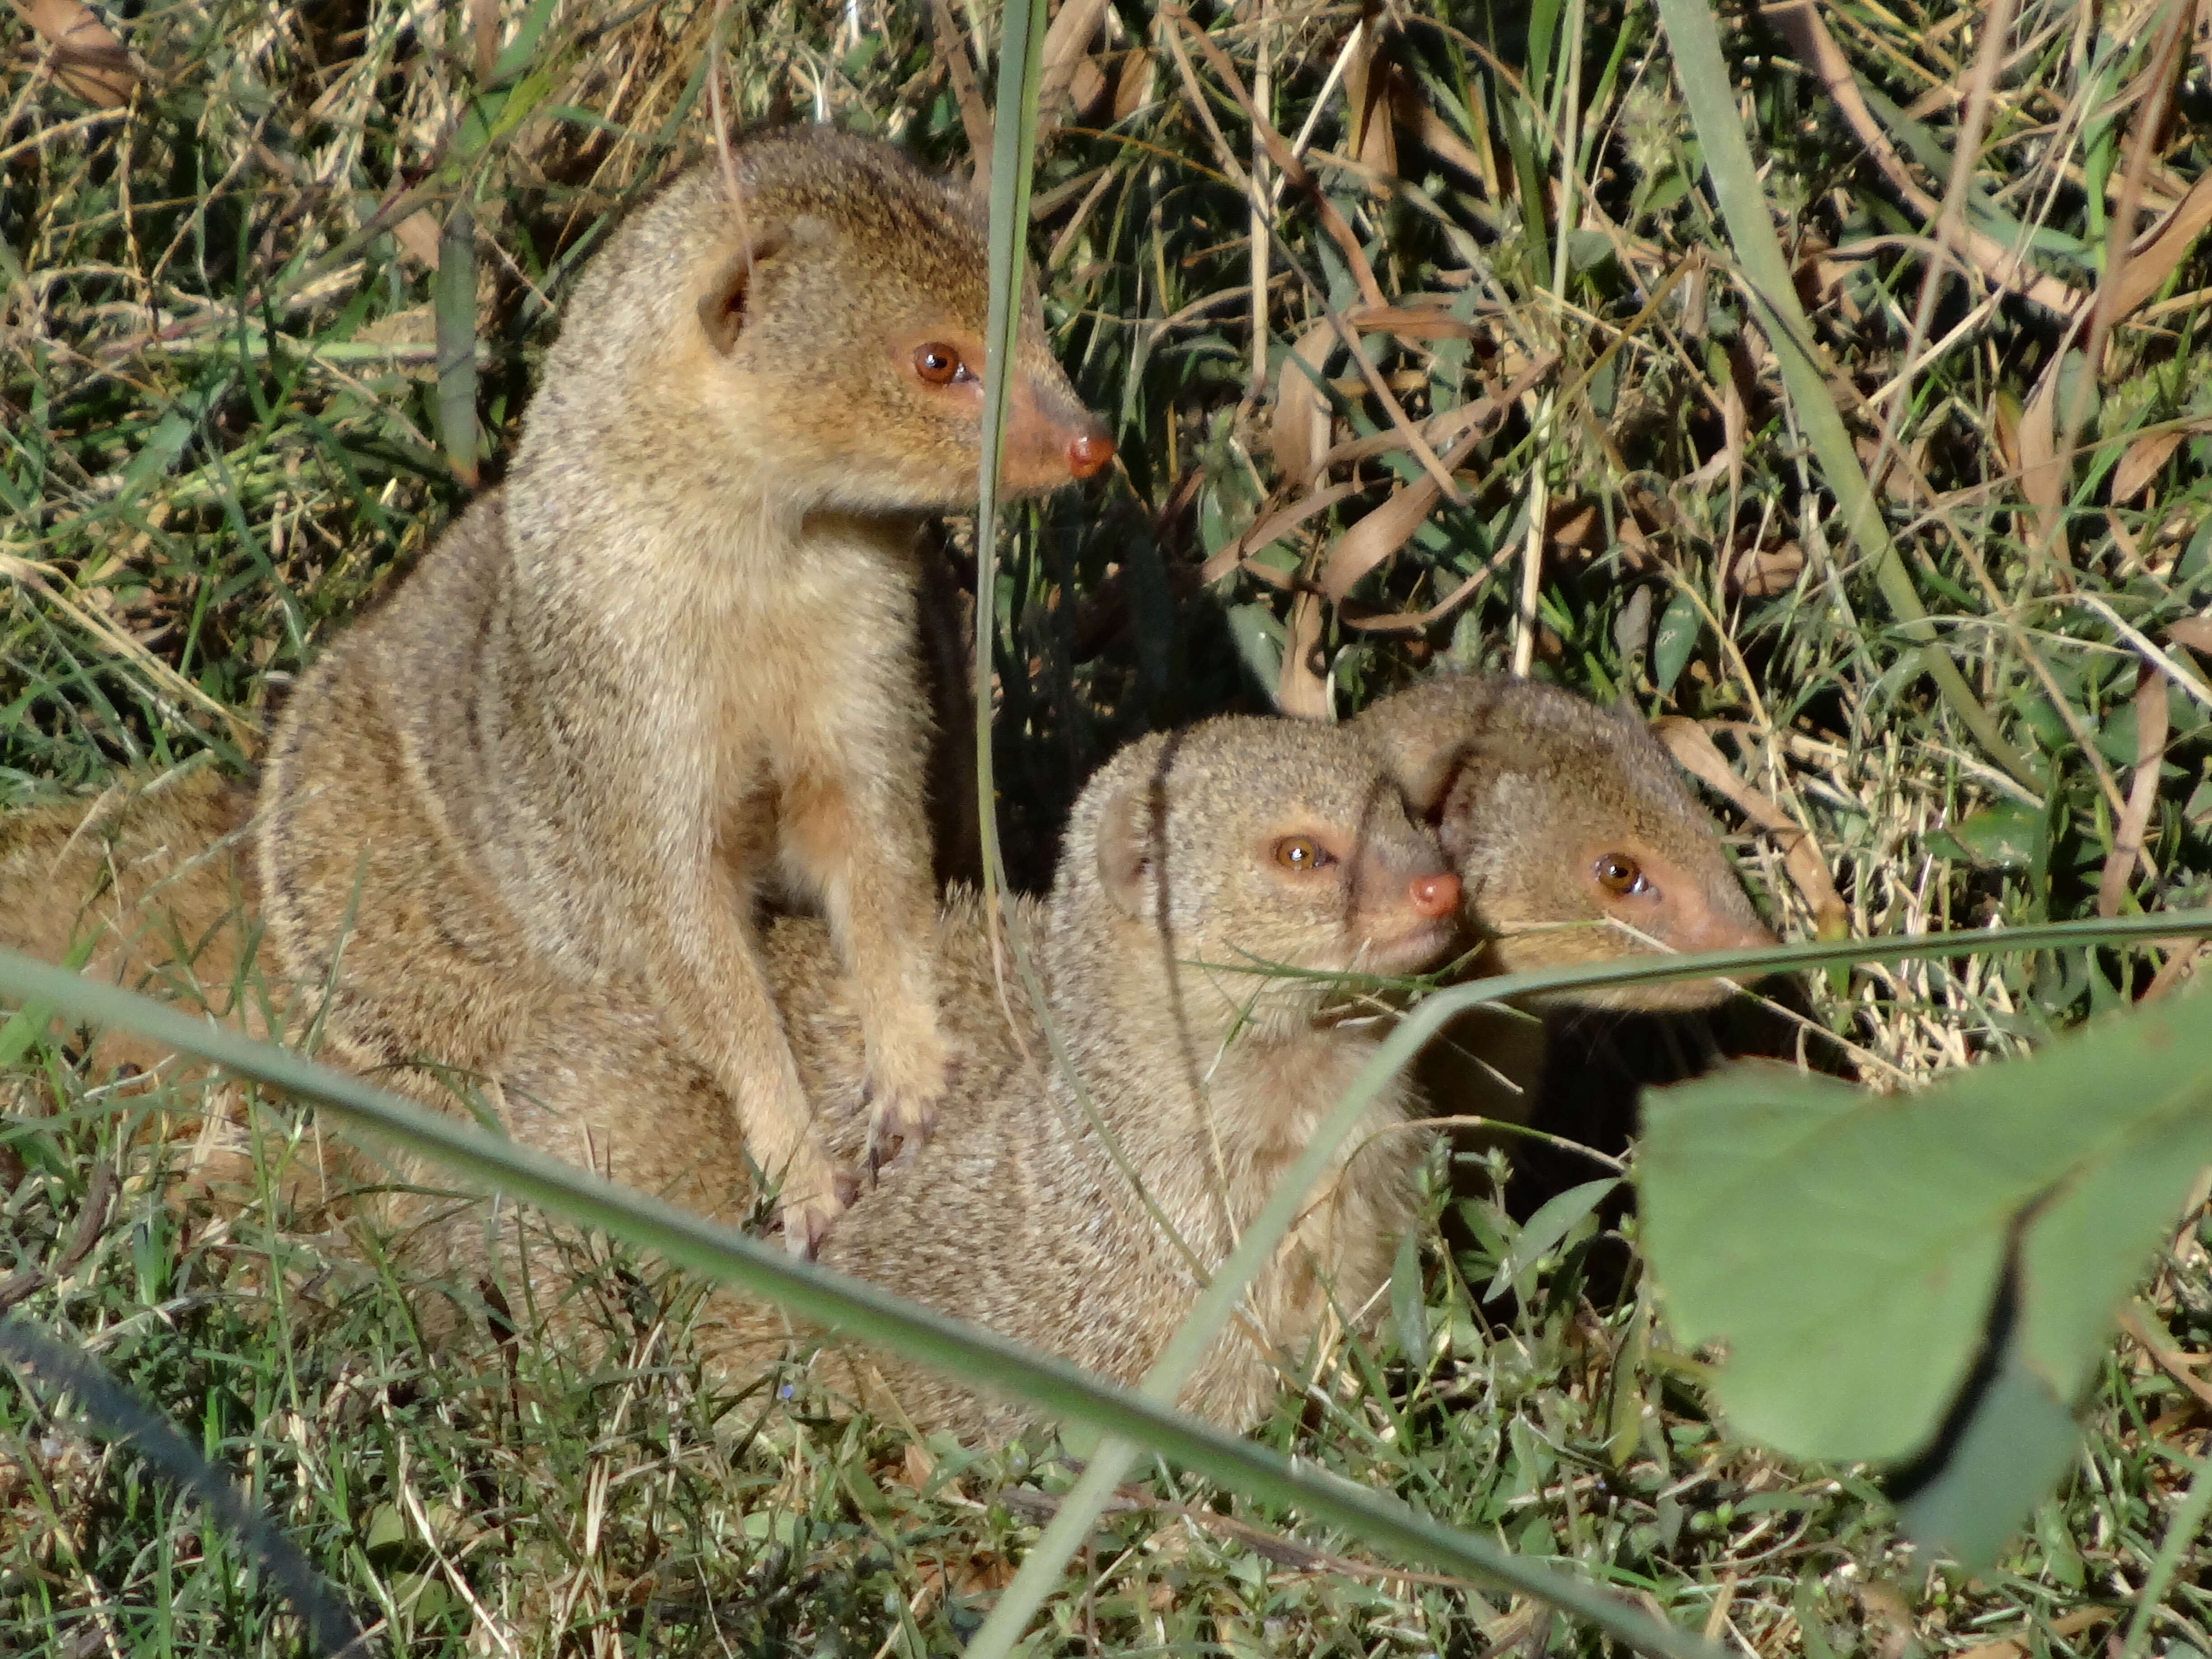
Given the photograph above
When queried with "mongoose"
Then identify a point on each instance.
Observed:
(672, 663)
(145, 887)
(1192, 862)
(1577, 841)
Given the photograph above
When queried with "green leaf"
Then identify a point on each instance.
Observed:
(2003, 837)
(1679, 625)
(1862, 1256)
(1559, 1216)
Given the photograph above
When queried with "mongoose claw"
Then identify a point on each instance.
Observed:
(897, 1131)
(807, 1221)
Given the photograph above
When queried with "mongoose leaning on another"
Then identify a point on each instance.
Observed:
(1543, 800)
(1191, 861)
(1577, 841)
(560, 763)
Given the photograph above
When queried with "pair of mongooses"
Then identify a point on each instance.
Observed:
(1192, 860)
(673, 665)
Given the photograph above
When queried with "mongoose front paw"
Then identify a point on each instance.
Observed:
(897, 1131)
(815, 1193)
(902, 1116)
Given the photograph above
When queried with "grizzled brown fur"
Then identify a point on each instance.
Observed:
(671, 666)
(1189, 861)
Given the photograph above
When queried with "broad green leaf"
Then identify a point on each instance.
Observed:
(1850, 1250)
(2003, 837)
(1680, 625)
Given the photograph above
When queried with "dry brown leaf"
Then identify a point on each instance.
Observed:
(1062, 60)
(2142, 791)
(1301, 424)
(1689, 744)
(2141, 464)
(1572, 525)
(1418, 621)
(1436, 134)
(1302, 690)
(1367, 82)
(418, 234)
(88, 60)
(1384, 531)
(1133, 89)
(975, 116)
(1761, 573)
(1273, 528)
(2195, 632)
(2004, 422)
(1412, 322)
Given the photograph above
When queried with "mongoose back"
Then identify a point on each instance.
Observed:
(672, 663)
(145, 887)
(1191, 862)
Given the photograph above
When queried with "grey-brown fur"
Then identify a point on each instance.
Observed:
(670, 665)
(1210, 1079)
(1529, 786)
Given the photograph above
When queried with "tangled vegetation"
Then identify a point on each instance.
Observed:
(1478, 386)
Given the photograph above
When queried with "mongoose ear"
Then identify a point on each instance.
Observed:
(722, 306)
(1126, 850)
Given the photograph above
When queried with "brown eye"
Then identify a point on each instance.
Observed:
(940, 365)
(1617, 873)
(1302, 853)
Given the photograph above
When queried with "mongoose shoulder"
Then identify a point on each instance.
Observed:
(1193, 864)
(672, 663)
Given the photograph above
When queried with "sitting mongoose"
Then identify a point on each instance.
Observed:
(1193, 863)
(565, 756)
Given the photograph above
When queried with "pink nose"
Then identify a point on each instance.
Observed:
(1433, 895)
(1089, 451)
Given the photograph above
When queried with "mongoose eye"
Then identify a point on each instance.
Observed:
(1302, 853)
(1617, 873)
(939, 364)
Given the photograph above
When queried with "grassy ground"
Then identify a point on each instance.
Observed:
(223, 437)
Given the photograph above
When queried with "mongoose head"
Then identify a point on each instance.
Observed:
(1555, 811)
(828, 341)
(1238, 843)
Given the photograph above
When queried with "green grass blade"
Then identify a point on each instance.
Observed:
(1695, 34)
(120, 1415)
(830, 1298)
